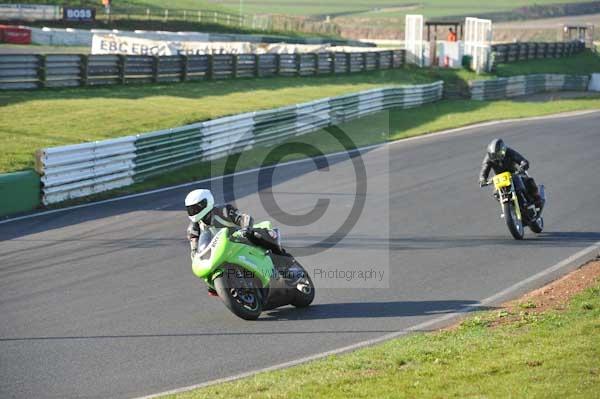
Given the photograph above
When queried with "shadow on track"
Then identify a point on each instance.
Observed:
(371, 310)
(314, 312)
(163, 200)
(546, 239)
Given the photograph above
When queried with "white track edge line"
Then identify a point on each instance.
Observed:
(576, 260)
(359, 149)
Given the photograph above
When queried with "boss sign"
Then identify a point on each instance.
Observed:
(79, 14)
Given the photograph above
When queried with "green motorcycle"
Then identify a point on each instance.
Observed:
(250, 272)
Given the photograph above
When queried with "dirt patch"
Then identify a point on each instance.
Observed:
(558, 293)
(554, 296)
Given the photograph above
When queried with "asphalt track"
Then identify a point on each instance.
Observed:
(101, 302)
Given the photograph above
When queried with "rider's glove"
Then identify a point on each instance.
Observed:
(246, 221)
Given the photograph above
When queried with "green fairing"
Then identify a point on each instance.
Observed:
(226, 251)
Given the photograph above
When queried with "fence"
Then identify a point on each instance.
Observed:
(65, 70)
(79, 170)
(266, 22)
(495, 89)
(270, 22)
(503, 53)
(164, 14)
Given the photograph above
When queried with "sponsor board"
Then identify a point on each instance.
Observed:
(79, 14)
(29, 12)
(113, 44)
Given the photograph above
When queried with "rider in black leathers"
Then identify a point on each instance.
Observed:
(501, 158)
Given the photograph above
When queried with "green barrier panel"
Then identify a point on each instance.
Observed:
(19, 192)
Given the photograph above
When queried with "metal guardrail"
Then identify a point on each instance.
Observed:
(79, 170)
(512, 52)
(30, 71)
(494, 89)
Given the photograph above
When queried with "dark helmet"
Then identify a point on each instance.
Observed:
(496, 150)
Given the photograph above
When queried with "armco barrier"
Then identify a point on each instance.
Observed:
(19, 192)
(30, 71)
(512, 52)
(494, 89)
(78, 170)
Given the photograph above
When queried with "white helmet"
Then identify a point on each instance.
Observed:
(198, 204)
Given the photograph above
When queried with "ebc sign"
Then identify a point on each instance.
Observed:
(79, 14)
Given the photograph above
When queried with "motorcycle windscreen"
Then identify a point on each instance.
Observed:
(204, 241)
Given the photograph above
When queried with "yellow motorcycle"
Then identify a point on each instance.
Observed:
(517, 209)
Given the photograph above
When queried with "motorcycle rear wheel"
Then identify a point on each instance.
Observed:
(245, 303)
(515, 226)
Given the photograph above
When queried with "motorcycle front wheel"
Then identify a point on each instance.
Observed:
(537, 225)
(515, 226)
(305, 291)
(242, 297)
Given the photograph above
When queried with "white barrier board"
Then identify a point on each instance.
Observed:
(594, 82)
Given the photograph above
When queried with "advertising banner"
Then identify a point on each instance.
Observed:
(111, 43)
(114, 44)
(79, 14)
(15, 35)
(29, 12)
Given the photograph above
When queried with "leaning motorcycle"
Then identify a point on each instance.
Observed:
(517, 209)
(247, 277)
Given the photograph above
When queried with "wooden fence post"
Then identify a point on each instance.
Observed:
(364, 60)
(184, 67)
(41, 70)
(298, 64)
(348, 62)
(256, 65)
(155, 68)
(316, 55)
(122, 65)
(211, 66)
(83, 67)
(332, 57)
(277, 64)
(234, 65)
(378, 60)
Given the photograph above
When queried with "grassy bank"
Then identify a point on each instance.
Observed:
(546, 354)
(583, 63)
(44, 118)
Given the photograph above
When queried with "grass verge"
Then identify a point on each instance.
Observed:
(44, 118)
(508, 352)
